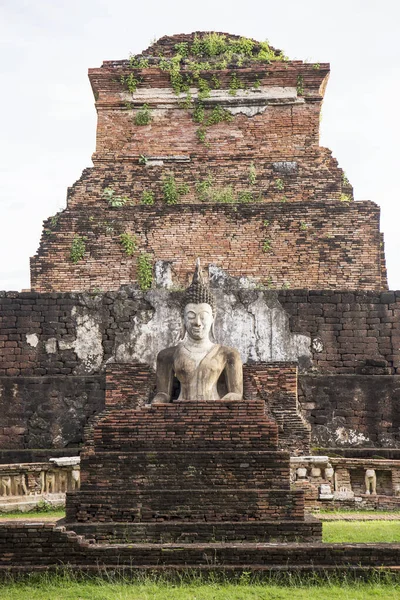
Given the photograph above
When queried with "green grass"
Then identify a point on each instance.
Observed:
(65, 588)
(351, 511)
(54, 513)
(359, 532)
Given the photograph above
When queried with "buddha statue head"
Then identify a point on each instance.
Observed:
(198, 308)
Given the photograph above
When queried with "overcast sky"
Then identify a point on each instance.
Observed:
(48, 119)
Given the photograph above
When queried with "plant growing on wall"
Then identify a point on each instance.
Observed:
(267, 247)
(128, 242)
(143, 116)
(208, 192)
(131, 82)
(78, 248)
(113, 200)
(300, 85)
(172, 191)
(279, 184)
(235, 84)
(145, 271)
(211, 51)
(188, 66)
(252, 174)
(147, 197)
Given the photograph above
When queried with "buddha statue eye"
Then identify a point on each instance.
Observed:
(191, 315)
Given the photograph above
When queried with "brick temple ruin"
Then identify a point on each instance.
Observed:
(207, 145)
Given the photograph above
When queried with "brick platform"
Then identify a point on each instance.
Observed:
(188, 464)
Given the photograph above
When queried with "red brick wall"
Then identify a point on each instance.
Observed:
(312, 238)
(308, 245)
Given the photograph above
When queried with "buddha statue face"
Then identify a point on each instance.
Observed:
(198, 320)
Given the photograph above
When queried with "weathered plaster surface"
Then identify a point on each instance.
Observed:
(133, 326)
(88, 343)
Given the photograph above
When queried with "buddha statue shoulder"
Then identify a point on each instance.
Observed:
(202, 366)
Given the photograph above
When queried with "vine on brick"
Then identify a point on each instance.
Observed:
(113, 200)
(172, 191)
(78, 248)
(208, 52)
(128, 242)
(147, 197)
(145, 271)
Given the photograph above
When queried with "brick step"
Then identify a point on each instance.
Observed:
(184, 505)
(232, 554)
(39, 545)
(309, 530)
(185, 425)
(121, 471)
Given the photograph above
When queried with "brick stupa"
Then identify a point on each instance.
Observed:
(208, 145)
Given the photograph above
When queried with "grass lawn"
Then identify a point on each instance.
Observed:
(68, 587)
(359, 532)
(51, 513)
(58, 589)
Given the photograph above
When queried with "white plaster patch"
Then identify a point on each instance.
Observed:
(88, 343)
(317, 344)
(235, 326)
(63, 345)
(51, 346)
(249, 111)
(32, 339)
(259, 332)
(160, 99)
(147, 337)
(350, 436)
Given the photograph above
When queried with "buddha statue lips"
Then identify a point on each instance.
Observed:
(198, 363)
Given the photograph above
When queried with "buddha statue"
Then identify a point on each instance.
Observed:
(206, 370)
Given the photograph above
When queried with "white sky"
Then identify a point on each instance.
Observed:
(48, 120)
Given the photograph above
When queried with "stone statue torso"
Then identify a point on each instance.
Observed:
(198, 373)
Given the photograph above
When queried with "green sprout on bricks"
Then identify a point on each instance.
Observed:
(143, 116)
(147, 197)
(252, 174)
(145, 271)
(267, 247)
(128, 242)
(113, 200)
(78, 248)
(172, 191)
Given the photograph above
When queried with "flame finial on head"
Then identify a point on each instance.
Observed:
(198, 292)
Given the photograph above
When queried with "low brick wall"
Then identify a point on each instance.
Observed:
(30, 547)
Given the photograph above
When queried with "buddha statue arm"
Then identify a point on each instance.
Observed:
(164, 376)
(233, 376)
